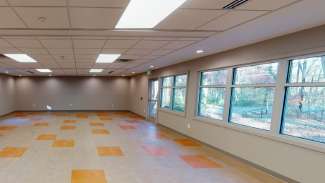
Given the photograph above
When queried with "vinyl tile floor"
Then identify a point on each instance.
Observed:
(110, 147)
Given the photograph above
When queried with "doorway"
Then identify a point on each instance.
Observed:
(153, 99)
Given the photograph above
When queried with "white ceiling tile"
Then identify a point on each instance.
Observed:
(146, 44)
(37, 51)
(55, 17)
(87, 51)
(63, 57)
(57, 43)
(91, 58)
(25, 43)
(265, 4)
(9, 50)
(8, 19)
(189, 19)
(67, 64)
(87, 43)
(95, 17)
(3, 3)
(37, 2)
(120, 43)
(139, 51)
(99, 3)
(231, 19)
(4, 44)
(206, 4)
(177, 44)
(161, 52)
(57, 51)
(113, 51)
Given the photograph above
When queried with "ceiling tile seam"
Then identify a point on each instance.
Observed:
(94, 64)
(17, 14)
(74, 56)
(269, 12)
(44, 47)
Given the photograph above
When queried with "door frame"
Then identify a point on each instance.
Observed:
(149, 118)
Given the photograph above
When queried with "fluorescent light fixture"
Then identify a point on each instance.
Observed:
(146, 14)
(96, 70)
(44, 70)
(107, 58)
(23, 58)
(151, 66)
(199, 51)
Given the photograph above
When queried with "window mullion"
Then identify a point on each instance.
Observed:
(229, 83)
(279, 97)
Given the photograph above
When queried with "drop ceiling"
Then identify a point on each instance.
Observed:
(66, 36)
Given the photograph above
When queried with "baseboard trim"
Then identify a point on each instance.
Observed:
(272, 173)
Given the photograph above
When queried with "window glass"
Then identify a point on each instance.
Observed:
(211, 102)
(168, 81)
(214, 77)
(252, 107)
(308, 70)
(304, 113)
(181, 80)
(179, 99)
(166, 97)
(258, 74)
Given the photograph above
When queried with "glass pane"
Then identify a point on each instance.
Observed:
(152, 109)
(180, 80)
(304, 114)
(252, 107)
(179, 99)
(212, 102)
(258, 74)
(214, 77)
(154, 90)
(168, 81)
(165, 97)
(308, 70)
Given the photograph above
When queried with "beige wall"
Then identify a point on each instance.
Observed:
(293, 161)
(71, 93)
(7, 94)
(138, 90)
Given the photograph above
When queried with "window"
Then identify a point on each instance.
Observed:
(253, 95)
(212, 94)
(173, 92)
(304, 109)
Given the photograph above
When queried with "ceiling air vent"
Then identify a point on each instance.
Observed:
(124, 60)
(110, 72)
(234, 4)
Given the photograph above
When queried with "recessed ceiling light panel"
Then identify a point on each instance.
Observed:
(144, 14)
(44, 70)
(22, 58)
(107, 58)
(96, 70)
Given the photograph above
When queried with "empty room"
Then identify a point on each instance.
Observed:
(162, 91)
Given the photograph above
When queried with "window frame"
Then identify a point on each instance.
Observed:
(233, 86)
(288, 85)
(200, 86)
(173, 87)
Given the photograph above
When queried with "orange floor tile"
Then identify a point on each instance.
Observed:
(109, 151)
(12, 152)
(40, 124)
(46, 137)
(200, 161)
(70, 121)
(68, 127)
(93, 123)
(100, 131)
(88, 176)
(63, 143)
(187, 143)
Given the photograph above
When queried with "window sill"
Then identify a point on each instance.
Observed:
(295, 141)
(181, 114)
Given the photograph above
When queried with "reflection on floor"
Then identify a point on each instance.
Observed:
(114, 147)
